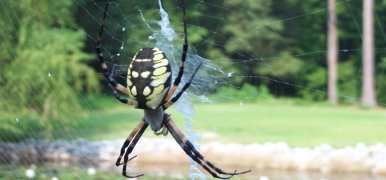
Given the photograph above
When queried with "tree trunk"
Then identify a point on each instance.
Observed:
(332, 54)
(368, 86)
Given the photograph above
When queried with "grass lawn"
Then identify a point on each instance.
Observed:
(276, 121)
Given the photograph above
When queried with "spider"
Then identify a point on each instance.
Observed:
(150, 87)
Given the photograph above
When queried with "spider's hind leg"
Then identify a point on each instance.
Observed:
(191, 151)
(128, 147)
(128, 141)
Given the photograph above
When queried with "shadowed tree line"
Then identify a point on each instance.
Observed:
(282, 45)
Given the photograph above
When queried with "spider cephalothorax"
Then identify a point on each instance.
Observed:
(150, 88)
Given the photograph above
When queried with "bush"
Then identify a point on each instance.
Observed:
(381, 83)
(348, 83)
(16, 128)
(315, 89)
(247, 93)
(46, 72)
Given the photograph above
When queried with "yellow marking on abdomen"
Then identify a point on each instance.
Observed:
(145, 74)
(163, 62)
(159, 81)
(128, 82)
(146, 91)
(158, 57)
(155, 99)
(133, 91)
(159, 71)
(156, 92)
(134, 74)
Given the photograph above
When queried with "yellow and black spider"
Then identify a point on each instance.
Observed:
(149, 86)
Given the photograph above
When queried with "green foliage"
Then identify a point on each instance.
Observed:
(250, 28)
(316, 85)
(46, 72)
(282, 66)
(249, 32)
(46, 12)
(348, 82)
(247, 93)
(381, 83)
(24, 125)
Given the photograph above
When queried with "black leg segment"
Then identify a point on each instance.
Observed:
(191, 151)
(113, 84)
(128, 147)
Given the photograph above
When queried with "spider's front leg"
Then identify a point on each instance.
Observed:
(113, 84)
(191, 151)
(185, 48)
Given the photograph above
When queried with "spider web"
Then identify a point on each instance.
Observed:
(160, 33)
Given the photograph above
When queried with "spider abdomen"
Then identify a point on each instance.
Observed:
(149, 78)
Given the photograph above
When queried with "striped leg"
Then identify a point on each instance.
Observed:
(189, 149)
(171, 101)
(113, 84)
(183, 56)
(130, 143)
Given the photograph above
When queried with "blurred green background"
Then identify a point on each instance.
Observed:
(275, 49)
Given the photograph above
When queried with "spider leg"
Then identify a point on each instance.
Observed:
(189, 149)
(113, 84)
(128, 142)
(183, 56)
(130, 149)
(169, 102)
